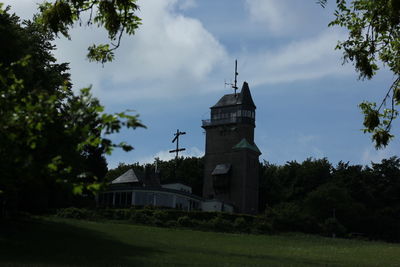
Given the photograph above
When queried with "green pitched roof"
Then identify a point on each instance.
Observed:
(245, 144)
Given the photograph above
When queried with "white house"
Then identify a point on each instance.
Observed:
(131, 189)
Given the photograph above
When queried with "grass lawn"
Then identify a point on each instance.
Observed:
(65, 242)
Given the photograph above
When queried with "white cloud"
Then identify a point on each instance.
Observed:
(23, 8)
(168, 52)
(310, 58)
(372, 155)
(308, 51)
(171, 45)
(282, 17)
(270, 12)
(187, 4)
(175, 55)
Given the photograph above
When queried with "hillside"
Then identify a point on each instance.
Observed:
(66, 242)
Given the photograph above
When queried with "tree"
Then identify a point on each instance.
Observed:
(373, 38)
(48, 134)
(116, 16)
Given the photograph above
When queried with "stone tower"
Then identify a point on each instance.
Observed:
(231, 158)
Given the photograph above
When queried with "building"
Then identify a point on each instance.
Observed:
(231, 156)
(144, 189)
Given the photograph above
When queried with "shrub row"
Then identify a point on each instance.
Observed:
(208, 221)
(282, 220)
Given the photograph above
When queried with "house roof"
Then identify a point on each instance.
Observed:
(146, 178)
(242, 98)
(128, 177)
(245, 144)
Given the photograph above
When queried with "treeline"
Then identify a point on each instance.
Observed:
(313, 196)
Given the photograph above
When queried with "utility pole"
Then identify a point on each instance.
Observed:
(177, 150)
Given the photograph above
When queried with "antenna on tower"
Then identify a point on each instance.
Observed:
(234, 85)
(236, 74)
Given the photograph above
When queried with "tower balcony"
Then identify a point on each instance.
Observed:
(224, 121)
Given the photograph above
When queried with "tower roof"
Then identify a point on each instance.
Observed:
(242, 98)
(245, 144)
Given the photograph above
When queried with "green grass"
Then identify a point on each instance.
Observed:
(65, 242)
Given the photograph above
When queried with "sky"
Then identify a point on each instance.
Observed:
(175, 68)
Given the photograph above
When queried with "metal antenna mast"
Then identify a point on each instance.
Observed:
(234, 85)
(236, 74)
(177, 150)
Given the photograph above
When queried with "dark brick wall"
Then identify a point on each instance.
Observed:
(242, 191)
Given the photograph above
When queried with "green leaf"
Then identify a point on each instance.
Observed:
(77, 189)
(396, 95)
(95, 187)
(371, 119)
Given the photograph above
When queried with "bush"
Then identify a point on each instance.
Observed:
(287, 217)
(333, 227)
(171, 223)
(76, 213)
(121, 214)
(220, 224)
(262, 226)
(210, 221)
(105, 213)
(241, 225)
(185, 221)
(160, 215)
(157, 222)
(141, 217)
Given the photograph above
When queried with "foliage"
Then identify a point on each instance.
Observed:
(363, 199)
(373, 37)
(334, 228)
(116, 17)
(220, 224)
(161, 215)
(207, 221)
(52, 141)
(140, 217)
(240, 223)
(303, 196)
(290, 216)
(293, 181)
(185, 221)
(260, 226)
(189, 171)
(327, 200)
(76, 213)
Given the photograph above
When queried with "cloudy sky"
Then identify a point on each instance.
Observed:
(175, 66)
